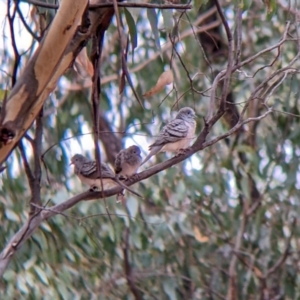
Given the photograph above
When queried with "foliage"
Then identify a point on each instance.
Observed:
(223, 219)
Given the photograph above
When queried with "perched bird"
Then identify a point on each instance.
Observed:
(128, 161)
(176, 135)
(87, 172)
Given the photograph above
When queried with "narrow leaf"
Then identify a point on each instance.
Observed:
(132, 28)
(83, 65)
(164, 79)
(168, 19)
(152, 16)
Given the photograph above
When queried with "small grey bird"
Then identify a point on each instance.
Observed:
(87, 172)
(128, 161)
(176, 135)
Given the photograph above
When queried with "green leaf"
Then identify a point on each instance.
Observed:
(152, 16)
(168, 19)
(199, 3)
(159, 244)
(21, 285)
(245, 187)
(62, 290)
(9, 275)
(132, 205)
(132, 29)
(3, 94)
(41, 274)
(272, 8)
(30, 262)
(11, 215)
(169, 287)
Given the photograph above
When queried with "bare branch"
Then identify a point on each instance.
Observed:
(284, 255)
(230, 58)
(37, 152)
(127, 267)
(11, 19)
(93, 6)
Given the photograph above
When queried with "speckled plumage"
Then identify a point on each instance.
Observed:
(128, 161)
(87, 172)
(176, 135)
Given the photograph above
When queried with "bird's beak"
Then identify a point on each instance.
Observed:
(71, 163)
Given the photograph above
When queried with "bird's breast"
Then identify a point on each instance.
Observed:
(105, 182)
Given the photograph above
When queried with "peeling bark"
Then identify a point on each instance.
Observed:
(69, 32)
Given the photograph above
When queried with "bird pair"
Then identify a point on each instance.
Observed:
(176, 136)
(126, 165)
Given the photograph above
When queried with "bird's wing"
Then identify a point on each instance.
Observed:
(174, 131)
(106, 172)
(118, 163)
(88, 168)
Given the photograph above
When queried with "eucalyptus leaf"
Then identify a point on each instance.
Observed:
(152, 17)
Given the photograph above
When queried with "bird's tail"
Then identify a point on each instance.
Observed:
(126, 187)
(153, 151)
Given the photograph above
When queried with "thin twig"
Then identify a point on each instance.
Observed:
(239, 32)
(127, 267)
(37, 151)
(27, 168)
(285, 254)
(123, 57)
(96, 90)
(124, 4)
(17, 59)
(227, 77)
(25, 23)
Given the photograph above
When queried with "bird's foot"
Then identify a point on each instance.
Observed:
(182, 151)
(134, 177)
(93, 188)
(121, 198)
(122, 177)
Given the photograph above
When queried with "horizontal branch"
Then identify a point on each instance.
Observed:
(123, 4)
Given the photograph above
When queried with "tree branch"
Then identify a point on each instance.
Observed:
(27, 230)
(124, 4)
(127, 267)
(27, 98)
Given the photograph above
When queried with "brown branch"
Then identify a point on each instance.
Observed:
(17, 59)
(93, 6)
(27, 168)
(96, 90)
(250, 266)
(25, 23)
(111, 142)
(230, 58)
(239, 34)
(232, 288)
(128, 269)
(37, 152)
(284, 255)
(30, 95)
(221, 74)
(123, 57)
